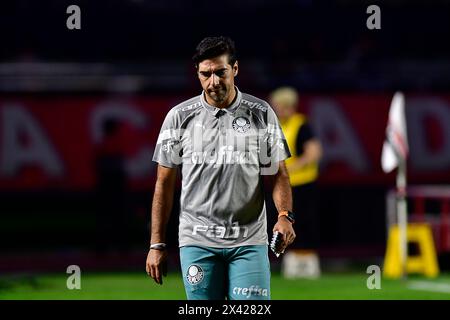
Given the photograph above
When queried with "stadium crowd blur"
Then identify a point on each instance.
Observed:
(137, 53)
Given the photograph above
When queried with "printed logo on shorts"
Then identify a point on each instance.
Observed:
(194, 274)
(241, 124)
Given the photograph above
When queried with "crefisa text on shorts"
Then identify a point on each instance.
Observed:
(225, 309)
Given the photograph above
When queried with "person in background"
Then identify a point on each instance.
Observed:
(303, 168)
(112, 216)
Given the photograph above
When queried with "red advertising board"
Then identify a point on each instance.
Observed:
(51, 142)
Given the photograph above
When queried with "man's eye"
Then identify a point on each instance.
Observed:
(205, 74)
(220, 73)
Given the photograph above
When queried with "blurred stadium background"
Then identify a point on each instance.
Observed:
(80, 111)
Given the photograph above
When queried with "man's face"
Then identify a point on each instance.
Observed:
(216, 76)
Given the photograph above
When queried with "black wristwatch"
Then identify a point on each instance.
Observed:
(288, 214)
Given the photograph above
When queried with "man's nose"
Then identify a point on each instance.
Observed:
(214, 80)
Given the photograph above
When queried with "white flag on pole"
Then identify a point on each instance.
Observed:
(395, 146)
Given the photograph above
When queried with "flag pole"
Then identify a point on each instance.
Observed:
(402, 214)
(394, 155)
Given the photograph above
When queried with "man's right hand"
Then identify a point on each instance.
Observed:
(156, 265)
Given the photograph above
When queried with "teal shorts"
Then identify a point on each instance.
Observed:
(241, 273)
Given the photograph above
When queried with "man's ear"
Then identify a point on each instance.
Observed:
(235, 69)
(196, 70)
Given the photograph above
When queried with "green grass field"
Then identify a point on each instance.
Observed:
(137, 286)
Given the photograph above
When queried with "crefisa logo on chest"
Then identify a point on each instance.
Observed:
(241, 124)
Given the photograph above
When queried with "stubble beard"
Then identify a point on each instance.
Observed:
(218, 97)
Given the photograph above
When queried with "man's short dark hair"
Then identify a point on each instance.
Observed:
(212, 47)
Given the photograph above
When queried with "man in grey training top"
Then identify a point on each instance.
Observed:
(224, 141)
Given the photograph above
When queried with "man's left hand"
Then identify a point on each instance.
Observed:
(284, 226)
